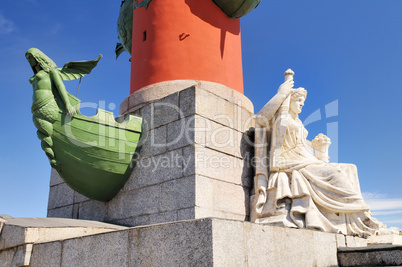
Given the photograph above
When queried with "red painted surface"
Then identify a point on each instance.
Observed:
(185, 39)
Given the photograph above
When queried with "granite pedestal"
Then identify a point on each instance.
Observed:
(194, 161)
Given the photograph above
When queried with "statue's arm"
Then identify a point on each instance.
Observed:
(58, 82)
(269, 110)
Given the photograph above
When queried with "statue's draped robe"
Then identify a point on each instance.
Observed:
(323, 196)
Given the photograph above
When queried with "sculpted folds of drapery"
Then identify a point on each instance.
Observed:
(296, 187)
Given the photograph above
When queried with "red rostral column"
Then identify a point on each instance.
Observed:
(185, 40)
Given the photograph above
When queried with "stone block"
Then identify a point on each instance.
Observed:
(177, 244)
(214, 164)
(18, 231)
(154, 142)
(187, 131)
(212, 213)
(360, 242)
(11, 235)
(243, 119)
(220, 196)
(350, 241)
(186, 101)
(223, 139)
(7, 255)
(55, 178)
(214, 108)
(164, 111)
(46, 254)
(63, 212)
(155, 170)
(186, 214)
(149, 219)
(92, 210)
(385, 240)
(278, 246)
(76, 208)
(370, 256)
(97, 250)
(160, 90)
(79, 198)
(134, 203)
(228, 236)
(202, 242)
(177, 194)
(163, 217)
(22, 255)
(340, 240)
(60, 195)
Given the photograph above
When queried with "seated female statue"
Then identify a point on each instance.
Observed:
(300, 190)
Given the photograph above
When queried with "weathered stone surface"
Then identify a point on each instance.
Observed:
(187, 131)
(186, 214)
(12, 235)
(98, 250)
(229, 236)
(202, 242)
(134, 203)
(177, 244)
(60, 195)
(278, 246)
(19, 234)
(164, 111)
(22, 255)
(92, 210)
(207, 213)
(221, 196)
(223, 139)
(186, 101)
(46, 254)
(340, 240)
(157, 91)
(55, 178)
(154, 142)
(214, 164)
(354, 241)
(17, 231)
(371, 256)
(6, 256)
(79, 198)
(385, 240)
(177, 194)
(63, 212)
(155, 170)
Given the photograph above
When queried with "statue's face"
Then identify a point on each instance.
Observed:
(297, 104)
(31, 59)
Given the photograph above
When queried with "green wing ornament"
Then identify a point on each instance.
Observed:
(93, 155)
(77, 69)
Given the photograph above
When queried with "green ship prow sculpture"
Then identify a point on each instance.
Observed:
(93, 155)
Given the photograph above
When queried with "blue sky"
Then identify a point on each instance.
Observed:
(347, 54)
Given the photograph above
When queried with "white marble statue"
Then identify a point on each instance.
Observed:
(295, 187)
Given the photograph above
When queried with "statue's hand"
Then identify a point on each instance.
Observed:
(71, 110)
(321, 139)
(286, 87)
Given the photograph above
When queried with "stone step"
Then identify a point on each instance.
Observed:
(376, 255)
